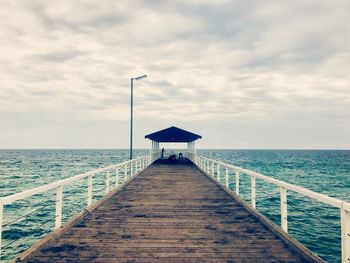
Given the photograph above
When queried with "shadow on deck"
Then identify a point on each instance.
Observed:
(166, 161)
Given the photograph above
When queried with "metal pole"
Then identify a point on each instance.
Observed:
(284, 218)
(117, 177)
(345, 235)
(237, 182)
(253, 190)
(131, 114)
(59, 204)
(107, 182)
(1, 222)
(226, 178)
(218, 171)
(89, 195)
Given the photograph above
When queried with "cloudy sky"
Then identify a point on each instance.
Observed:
(243, 74)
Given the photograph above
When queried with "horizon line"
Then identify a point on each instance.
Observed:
(272, 149)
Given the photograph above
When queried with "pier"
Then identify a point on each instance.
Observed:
(170, 212)
(158, 209)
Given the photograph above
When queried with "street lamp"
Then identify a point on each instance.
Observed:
(132, 110)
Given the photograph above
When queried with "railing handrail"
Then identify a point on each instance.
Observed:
(131, 168)
(207, 166)
(299, 189)
(43, 188)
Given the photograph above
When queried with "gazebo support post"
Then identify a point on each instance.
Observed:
(191, 147)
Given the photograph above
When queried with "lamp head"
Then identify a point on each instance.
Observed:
(140, 77)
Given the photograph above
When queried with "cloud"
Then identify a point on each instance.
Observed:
(222, 62)
(60, 56)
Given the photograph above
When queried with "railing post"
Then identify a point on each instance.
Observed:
(125, 172)
(59, 204)
(107, 182)
(253, 190)
(117, 177)
(212, 169)
(237, 182)
(89, 196)
(208, 167)
(345, 235)
(1, 222)
(226, 177)
(218, 172)
(131, 169)
(284, 215)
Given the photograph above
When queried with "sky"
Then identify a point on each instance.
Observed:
(243, 74)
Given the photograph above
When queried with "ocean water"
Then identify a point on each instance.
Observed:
(315, 225)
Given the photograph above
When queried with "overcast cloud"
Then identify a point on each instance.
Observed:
(244, 74)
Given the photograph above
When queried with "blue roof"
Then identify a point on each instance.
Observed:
(173, 134)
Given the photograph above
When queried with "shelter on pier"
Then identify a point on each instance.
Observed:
(173, 135)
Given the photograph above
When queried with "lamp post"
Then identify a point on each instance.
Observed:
(132, 109)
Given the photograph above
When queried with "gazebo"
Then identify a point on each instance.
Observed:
(173, 135)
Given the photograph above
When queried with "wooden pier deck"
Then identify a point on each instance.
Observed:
(168, 213)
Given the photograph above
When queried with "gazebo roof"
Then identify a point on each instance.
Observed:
(173, 134)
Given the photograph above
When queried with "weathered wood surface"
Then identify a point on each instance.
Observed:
(169, 213)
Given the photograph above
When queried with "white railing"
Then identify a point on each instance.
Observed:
(213, 167)
(123, 171)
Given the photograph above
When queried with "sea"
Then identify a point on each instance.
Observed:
(315, 225)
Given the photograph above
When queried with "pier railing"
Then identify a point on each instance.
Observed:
(213, 168)
(122, 171)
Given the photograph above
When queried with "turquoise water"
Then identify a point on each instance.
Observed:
(315, 225)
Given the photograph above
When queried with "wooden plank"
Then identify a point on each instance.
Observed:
(169, 213)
